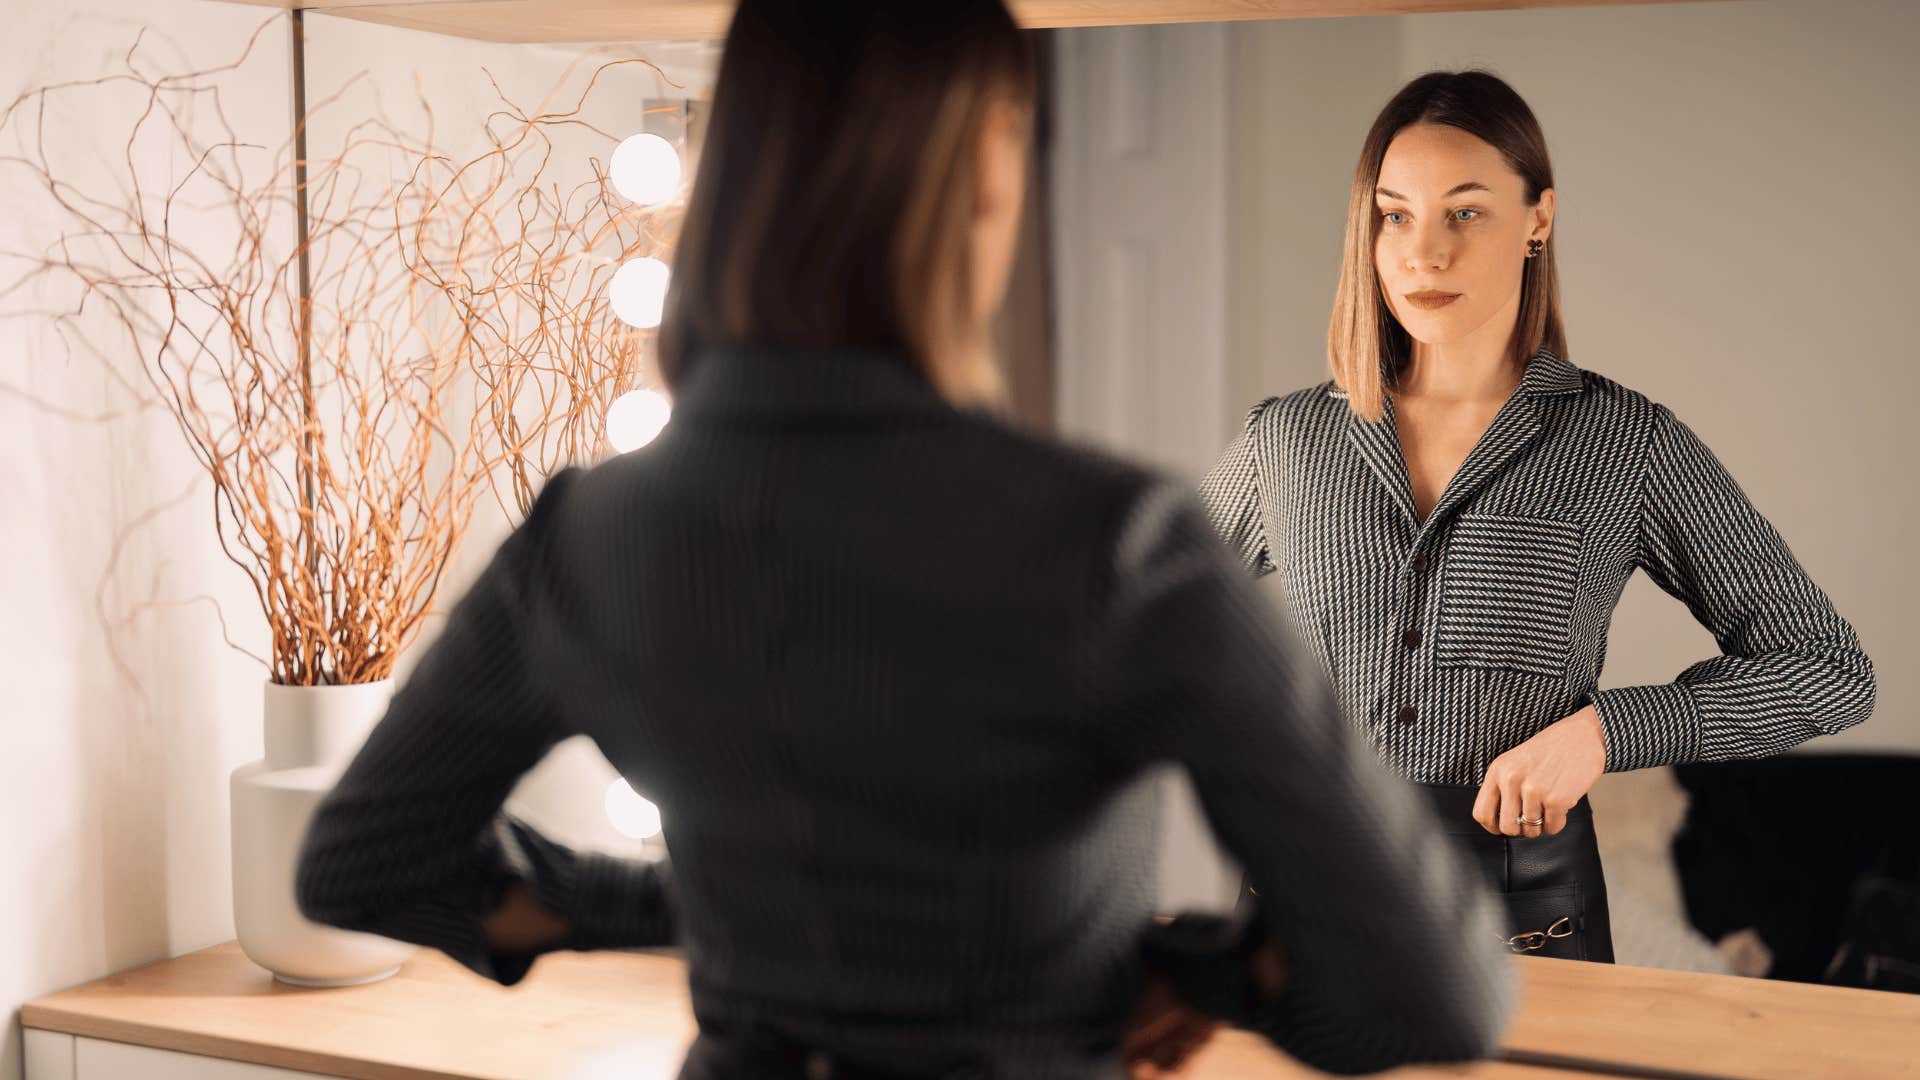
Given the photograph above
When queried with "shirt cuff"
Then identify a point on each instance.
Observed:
(608, 902)
(620, 903)
(1647, 726)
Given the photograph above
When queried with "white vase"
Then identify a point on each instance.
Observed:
(312, 732)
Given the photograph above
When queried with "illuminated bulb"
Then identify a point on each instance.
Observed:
(646, 169)
(631, 814)
(638, 291)
(635, 418)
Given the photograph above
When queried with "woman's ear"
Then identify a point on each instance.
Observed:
(1542, 227)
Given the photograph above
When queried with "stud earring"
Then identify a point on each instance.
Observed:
(1534, 247)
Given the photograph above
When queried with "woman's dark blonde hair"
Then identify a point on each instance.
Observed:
(1367, 347)
(834, 198)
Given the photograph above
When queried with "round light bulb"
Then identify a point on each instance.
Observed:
(631, 814)
(635, 418)
(638, 291)
(646, 169)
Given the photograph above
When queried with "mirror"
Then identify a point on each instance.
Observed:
(1727, 240)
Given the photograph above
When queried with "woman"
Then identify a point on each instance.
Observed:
(1455, 513)
(899, 734)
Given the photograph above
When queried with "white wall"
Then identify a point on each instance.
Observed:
(1733, 233)
(1138, 224)
(123, 723)
(112, 771)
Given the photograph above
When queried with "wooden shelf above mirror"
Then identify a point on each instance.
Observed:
(669, 20)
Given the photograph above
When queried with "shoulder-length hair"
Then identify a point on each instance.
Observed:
(834, 196)
(1367, 348)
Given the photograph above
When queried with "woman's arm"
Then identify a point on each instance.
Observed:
(1392, 945)
(1791, 667)
(1231, 494)
(411, 843)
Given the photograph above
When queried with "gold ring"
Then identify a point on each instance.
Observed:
(1526, 821)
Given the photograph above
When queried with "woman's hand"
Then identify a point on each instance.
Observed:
(1164, 1032)
(520, 925)
(1542, 778)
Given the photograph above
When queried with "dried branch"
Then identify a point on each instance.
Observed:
(461, 341)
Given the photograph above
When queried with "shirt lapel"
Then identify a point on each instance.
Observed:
(1513, 430)
(1378, 444)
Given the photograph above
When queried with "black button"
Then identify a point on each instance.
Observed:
(1411, 639)
(1420, 563)
(1407, 714)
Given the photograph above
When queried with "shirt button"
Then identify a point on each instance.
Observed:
(1411, 639)
(1420, 563)
(1407, 714)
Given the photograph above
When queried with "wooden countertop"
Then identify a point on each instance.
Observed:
(626, 1014)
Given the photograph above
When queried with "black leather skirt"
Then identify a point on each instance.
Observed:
(1555, 890)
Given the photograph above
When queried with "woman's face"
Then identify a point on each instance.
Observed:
(1452, 241)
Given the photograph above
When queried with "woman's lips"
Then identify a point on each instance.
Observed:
(1432, 301)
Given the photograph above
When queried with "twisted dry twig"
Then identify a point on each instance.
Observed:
(459, 337)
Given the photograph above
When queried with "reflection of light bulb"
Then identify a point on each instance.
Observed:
(646, 169)
(630, 813)
(638, 291)
(640, 1055)
(635, 417)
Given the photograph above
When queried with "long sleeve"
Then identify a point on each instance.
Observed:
(1392, 944)
(1231, 494)
(412, 844)
(1791, 667)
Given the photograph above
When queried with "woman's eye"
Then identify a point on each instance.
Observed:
(1394, 217)
(1465, 214)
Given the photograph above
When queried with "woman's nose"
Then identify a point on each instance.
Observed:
(1429, 251)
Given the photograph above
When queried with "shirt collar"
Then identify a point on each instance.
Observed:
(1547, 375)
(775, 381)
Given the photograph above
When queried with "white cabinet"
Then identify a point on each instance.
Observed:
(51, 1055)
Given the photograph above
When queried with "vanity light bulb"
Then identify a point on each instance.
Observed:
(635, 418)
(631, 814)
(638, 291)
(646, 169)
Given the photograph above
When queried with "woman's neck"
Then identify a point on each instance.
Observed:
(1477, 369)
(1461, 373)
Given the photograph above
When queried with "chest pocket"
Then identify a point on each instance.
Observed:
(1506, 593)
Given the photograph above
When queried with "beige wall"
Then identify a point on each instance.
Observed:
(1735, 231)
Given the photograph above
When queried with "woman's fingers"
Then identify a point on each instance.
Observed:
(1556, 820)
(1178, 1049)
(1164, 1032)
(1486, 806)
(1532, 809)
(1510, 805)
(1506, 798)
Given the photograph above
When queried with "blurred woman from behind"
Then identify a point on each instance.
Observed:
(896, 673)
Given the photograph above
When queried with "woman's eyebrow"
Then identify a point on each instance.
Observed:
(1471, 185)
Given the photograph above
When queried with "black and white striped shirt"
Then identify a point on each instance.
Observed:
(1454, 640)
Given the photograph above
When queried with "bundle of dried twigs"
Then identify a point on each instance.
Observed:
(442, 331)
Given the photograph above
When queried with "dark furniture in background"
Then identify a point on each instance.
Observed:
(1818, 852)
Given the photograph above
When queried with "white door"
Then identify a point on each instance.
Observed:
(1139, 206)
